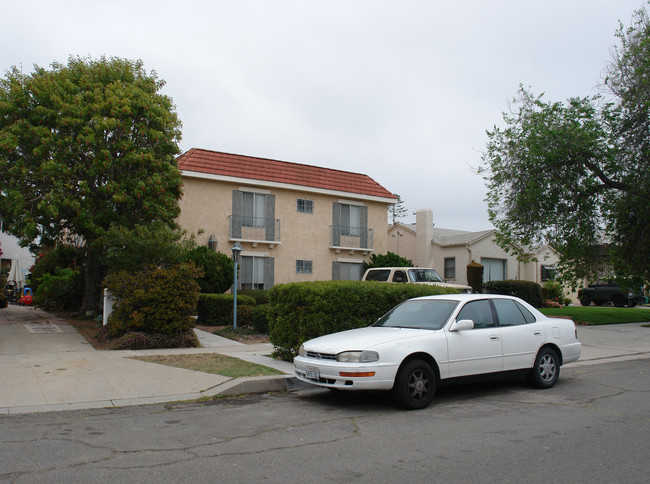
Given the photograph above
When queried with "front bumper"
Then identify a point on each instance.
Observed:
(329, 374)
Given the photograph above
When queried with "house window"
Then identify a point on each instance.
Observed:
(252, 273)
(254, 209)
(548, 273)
(493, 269)
(351, 220)
(304, 266)
(347, 271)
(305, 206)
(450, 268)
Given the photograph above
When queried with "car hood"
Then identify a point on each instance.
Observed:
(362, 339)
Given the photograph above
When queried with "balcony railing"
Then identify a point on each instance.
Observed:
(351, 238)
(254, 229)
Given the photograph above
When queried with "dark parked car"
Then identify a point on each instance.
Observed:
(605, 291)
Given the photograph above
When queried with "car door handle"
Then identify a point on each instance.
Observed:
(537, 332)
(494, 337)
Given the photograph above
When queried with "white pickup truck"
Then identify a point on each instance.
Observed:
(416, 275)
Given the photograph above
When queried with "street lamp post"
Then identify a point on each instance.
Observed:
(236, 250)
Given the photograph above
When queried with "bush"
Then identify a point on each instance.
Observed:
(261, 318)
(531, 292)
(301, 311)
(59, 257)
(218, 269)
(61, 290)
(386, 260)
(216, 309)
(475, 276)
(143, 341)
(260, 296)
(552, 291)
(153, 300)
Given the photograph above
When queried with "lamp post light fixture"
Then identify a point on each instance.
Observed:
(212, 243)
(236, 250)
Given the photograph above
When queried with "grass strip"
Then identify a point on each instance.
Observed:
(594, 315)
(212, 363)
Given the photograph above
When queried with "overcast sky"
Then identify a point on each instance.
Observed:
(402, 91)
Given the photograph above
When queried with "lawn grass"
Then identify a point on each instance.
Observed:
(594, 315)
(212, 363)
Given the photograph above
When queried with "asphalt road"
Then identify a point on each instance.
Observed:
(592, 427)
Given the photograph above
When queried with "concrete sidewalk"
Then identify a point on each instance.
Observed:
(45, 365)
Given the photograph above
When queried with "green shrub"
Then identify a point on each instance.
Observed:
(260, 296)
(475, 276)
(301, 311)
(531, 292)
(216, 309)
(552, 291)
(59, 257)
(261, 318)
(61, 290)
(244, 315)
(153, 300)
(386, 260)
(218, 270)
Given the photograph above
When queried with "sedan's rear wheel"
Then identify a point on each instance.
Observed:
(415, 385)
(546, 370)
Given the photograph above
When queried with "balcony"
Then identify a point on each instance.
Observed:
(351, 239)
(254, 230)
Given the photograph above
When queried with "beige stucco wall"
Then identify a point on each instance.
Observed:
(402, 245)
(207, 204)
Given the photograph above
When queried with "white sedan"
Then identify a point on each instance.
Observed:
(427, 341)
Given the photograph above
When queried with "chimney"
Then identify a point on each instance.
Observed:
(424, 231)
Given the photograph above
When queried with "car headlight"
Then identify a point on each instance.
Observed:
(301, 350)
(357, 356)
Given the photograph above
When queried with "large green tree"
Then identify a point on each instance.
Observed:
(84, 146)
(576, 174)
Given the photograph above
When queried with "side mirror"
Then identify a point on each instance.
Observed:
(462, 325)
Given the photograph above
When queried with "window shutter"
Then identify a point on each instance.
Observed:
(336, 271)
(235, 217)
(336, 225)
(363, 243)
(269, 266)
(269, 214)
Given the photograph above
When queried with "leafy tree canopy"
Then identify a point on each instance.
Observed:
(576, 174)
(84, 146)
(218, 270)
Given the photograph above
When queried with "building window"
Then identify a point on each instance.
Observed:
(351, 220)
(548, 273)
(305, 206)
(450, 268)
(251, 273)
(493, 269)
(347, 271)
(304, 266)
(254, 210)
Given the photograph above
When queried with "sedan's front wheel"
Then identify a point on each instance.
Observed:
(415, 385)
(546, 370)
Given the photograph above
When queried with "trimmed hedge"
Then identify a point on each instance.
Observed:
(302, 311)
(216, 309)
(260, 296)
(531, 292)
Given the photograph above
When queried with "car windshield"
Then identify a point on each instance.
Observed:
(418, 314)
(424, 275)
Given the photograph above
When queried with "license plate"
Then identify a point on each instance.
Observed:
(312, 373)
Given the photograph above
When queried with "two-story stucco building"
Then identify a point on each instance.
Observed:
(294, 222)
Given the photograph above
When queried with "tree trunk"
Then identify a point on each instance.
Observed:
(92, 282)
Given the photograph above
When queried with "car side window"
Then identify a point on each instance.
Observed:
(378, 275)
(528, 316)
(508, 312)
(399, 276)
(478, 311)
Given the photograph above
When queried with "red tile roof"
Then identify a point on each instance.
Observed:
(249, 167)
